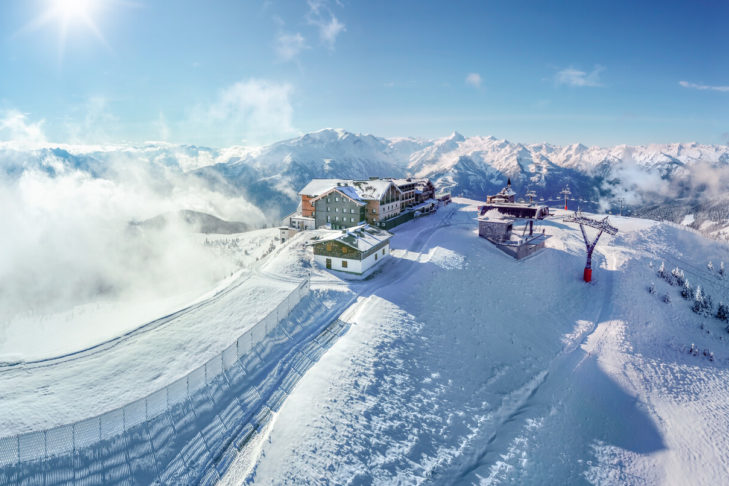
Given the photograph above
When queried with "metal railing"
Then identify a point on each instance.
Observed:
(130, 435)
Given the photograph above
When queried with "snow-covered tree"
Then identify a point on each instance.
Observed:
(710, 266)
(652, 288)
(722, 312)
(662, 270)
(687, 291)
(721, 269)
(678, 276)
(666, 298)
(701, 303)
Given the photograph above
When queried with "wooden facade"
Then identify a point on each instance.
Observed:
(307, 207)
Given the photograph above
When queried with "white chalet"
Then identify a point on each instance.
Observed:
(354, 250)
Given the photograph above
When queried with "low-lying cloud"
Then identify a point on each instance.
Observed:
(69, 232)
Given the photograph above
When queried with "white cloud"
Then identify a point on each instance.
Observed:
(288, 46)
(254, 111)
(574, 77)
(704, 87)
(69, 240)
(15, 127)
(322, 17)
(474, 79)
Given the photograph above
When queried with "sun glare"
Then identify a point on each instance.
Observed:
(67, 15)
(71, 9)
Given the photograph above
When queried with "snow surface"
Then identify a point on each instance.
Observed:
(460, 365)
(463, 365)
(87, 325)
(688, 220)
(43, 394)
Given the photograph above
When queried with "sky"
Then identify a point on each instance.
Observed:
(222, 72)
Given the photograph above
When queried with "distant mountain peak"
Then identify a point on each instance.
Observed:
(456, 137)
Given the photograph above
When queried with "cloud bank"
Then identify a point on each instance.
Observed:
(68, 218)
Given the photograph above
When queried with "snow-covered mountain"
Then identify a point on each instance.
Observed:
(476, 166)
(270, 176)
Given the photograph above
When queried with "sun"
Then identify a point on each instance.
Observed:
(67, 15)
(73, 9)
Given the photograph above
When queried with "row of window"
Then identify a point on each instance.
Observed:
(336, 218)
(344, 262)
(336, 210)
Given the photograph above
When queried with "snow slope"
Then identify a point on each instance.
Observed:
(129, 366)
(465, 366)
(86, 325)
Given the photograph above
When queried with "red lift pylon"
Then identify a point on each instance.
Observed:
(602, 225)
(566, 192)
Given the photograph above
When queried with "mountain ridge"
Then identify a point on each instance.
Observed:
(270, 176)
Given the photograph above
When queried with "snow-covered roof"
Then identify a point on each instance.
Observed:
(403, 182)
(348, 191)
(366, 190)
(495, 216)
(373, 188)
(362, 237)
(317, 187)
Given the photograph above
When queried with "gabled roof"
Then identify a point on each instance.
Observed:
(316, 187)
(372, 189)
(362, 237)
(347, 191)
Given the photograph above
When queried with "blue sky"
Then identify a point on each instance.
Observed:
(229, 72)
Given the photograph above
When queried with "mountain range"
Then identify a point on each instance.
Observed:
(688, 177)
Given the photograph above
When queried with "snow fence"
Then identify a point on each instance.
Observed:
(180, 434)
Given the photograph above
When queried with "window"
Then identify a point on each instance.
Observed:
(336, 218)
(336, 199)
(374, 211)
(344, 263)
(351, 210)
(336, 209)
(327, 209)
(329, 247)
(383, 251)
(328, 201)
(345, 249)
(329, 218)
(375, 256)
